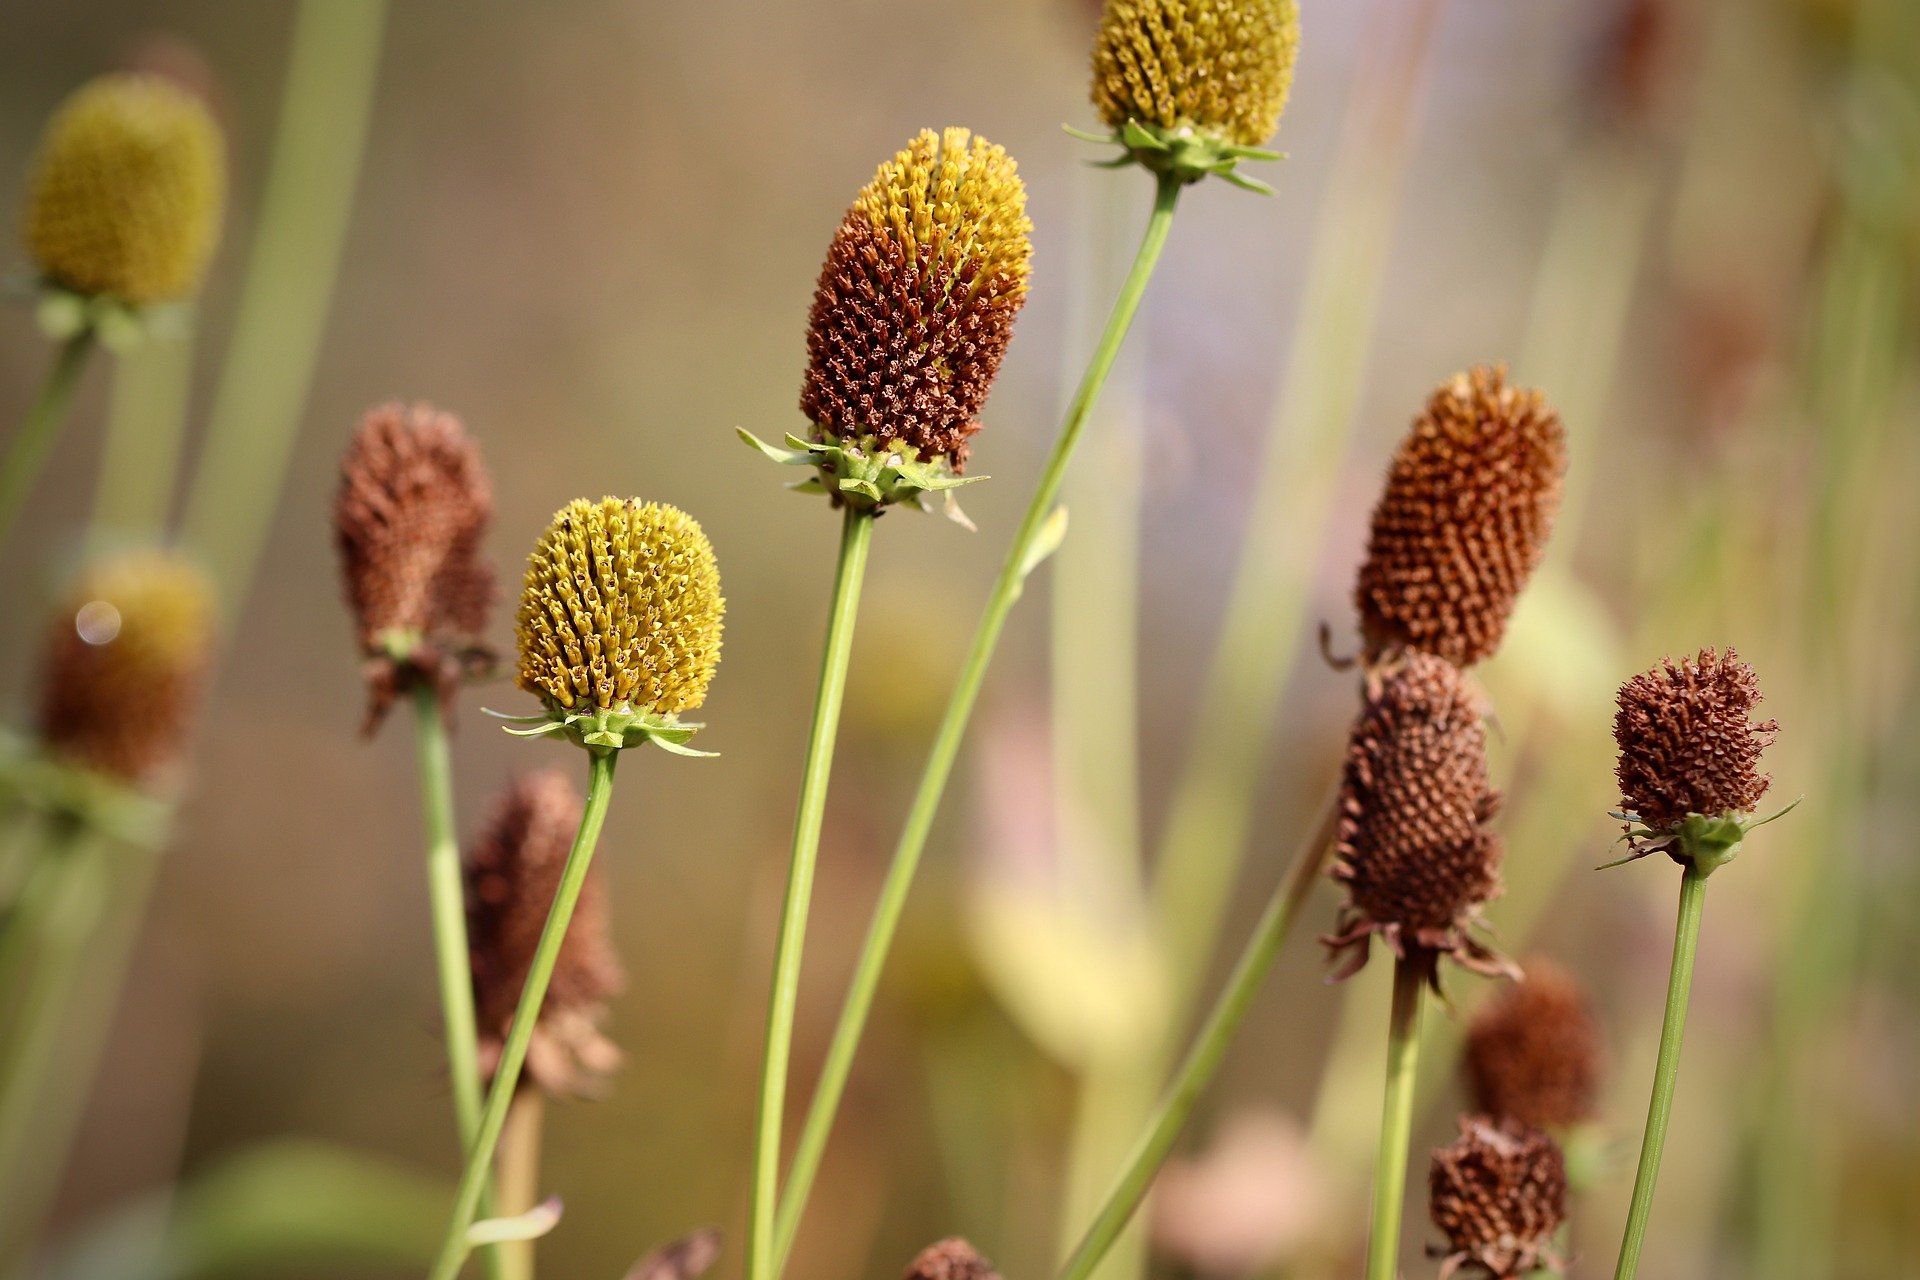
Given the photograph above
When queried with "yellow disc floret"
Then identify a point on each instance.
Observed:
(1218, 68)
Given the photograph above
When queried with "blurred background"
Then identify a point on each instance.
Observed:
(592, 229)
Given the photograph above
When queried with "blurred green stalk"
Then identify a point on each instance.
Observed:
(27, 453)
(146, 426)
(1396, 1121)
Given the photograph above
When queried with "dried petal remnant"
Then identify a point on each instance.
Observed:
(1463, 522)
(1221, 68)
(1534, 1052)
(1688, 742)
(950, 1259)
(1499, 1192)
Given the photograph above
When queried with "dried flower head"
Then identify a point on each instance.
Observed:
(1219, 68)
(409, 519)
(126, 660)
(1499, 1192)
(128, 191)
(512, 873)
(950, 1259)
(1469, 502)
(1534, 1052)
(1412, 845)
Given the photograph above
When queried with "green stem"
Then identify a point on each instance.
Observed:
(1396, 1122)
(953, 727)
(34, 441)
(1686, 940)
(474, 1179)
(856, 536)
(1209, 1048)
(146, 421)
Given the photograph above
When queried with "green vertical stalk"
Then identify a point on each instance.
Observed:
(1666, 1070)
(1396, 1122)
(856, 536)
(1027, 542)
(27, 454)
(474, 1179)
(146, 423)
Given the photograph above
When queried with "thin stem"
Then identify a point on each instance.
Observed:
(34, 441)
(517, 1181)
(1209, 1047)
(447, 895)
(856, 536)
(475, 1177)
(1666, 1070)
(953, 728)
(146, 422)
(1396, 1122)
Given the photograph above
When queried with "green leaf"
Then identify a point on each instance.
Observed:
(531, 1225)
(1045, 543)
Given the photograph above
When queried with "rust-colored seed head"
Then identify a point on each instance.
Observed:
(1534, 1053)
(1688, 742)
(1220, 68)
(409, 519)
(916, 302)
(512, 872)
(950, 1259)
(126, 661)
(1499, 1192)
(1469, 502)
(1412, 844)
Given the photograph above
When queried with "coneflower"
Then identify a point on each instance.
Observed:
(1463, 522)
(1534, 1053)
(950, 1259)
(1499, 1193)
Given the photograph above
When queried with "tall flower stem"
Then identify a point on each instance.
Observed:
(34, 441)
(146, 425)
(475, 1177)
(1027, 542)
(856, 537)
(1396, 1122)
(517, 1182)
(1666, 1070)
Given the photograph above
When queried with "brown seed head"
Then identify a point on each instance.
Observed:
(916, 302)
(409, 519)
(1499, 1192)
(1469, 501)
(1221, 68)
(950, 1259)
(512, 872)
(126, 660)
(1688, 742)
(1534, 1053)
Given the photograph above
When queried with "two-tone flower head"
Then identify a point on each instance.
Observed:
(1192, 87)
(911, 318)
(1689, 766)
(1534, 1052)
(950, 1259)
(1412, 845)
(1463, 522)
(126, 198)
(619, 625)
(1499, 1193)
(409, 519)
(512, 872)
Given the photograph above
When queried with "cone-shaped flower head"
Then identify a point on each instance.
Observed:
(409, 519)
(950, 1259)
(1412, 845)
(620, 620)
(1689, 756)
(126, 659)
(1534, 1053)
(512, 873)
(128, 192)
(1469, 502)
(1499, 1192)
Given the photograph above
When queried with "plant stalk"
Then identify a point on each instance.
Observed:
(446, 892)
(517, 1181)
(146, 422)
(1396, 1122)
(41, 427)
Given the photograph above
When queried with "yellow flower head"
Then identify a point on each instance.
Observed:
(128, 192)
(1217, 68)
(621, 610)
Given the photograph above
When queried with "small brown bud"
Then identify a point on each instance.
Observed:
(1534, 1052)
(1499, 1192)
(950, 1259)
(1688, 743)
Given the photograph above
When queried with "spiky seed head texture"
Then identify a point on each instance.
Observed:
(1469, 501)
(512, 872)
(1412, 845)
(1499, 1192)
(1688, 741)
(950, 1259)
(128, 191)
(125, 665)
(1534, 1052)
(409, 519)
(917, 298)
(1222, 68)
(621, 607)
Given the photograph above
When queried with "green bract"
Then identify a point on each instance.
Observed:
(869, 474)
(603, 730)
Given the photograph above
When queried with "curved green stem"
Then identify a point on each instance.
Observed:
(1396, 1122)
(34, 441)
(1686, 940)
(856, 536)
(506, 1077)
(953, 727)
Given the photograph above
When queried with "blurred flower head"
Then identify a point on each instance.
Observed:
(1499, 1192)
(1534, 1052)
(950, 1259)
(1245, 1204)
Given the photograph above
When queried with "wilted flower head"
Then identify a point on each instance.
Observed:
(1412, 844)
(1534, 1052)
(409, 519)
(950, 1259)
(1469, 502)
(512, 873)
(128, 191)
(126, 658)
(1499, 1192)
